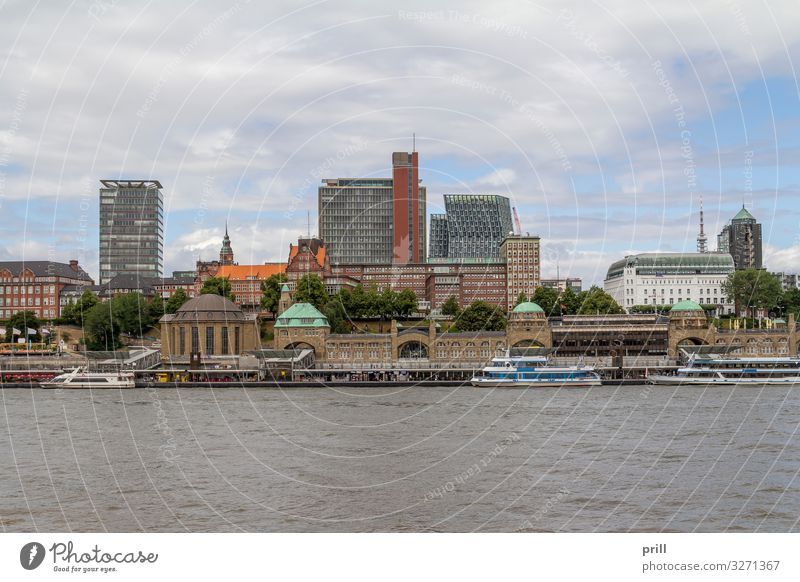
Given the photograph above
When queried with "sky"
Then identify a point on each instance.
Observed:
(605, 122)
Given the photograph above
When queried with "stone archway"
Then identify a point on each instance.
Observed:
(298, 346)
(412, 350)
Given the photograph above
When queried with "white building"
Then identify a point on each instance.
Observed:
(668, 278)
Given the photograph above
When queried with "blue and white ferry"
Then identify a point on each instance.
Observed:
(533, 371)
(718, 369)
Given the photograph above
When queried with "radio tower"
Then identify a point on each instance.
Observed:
(702, 240)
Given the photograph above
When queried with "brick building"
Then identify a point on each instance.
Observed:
(37, 285)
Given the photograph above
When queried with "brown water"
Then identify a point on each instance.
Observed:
(634, 458)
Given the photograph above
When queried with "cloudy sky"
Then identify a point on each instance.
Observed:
(604, 121)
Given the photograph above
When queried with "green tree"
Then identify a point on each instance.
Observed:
(175, 301)
(337, 316)
(596, 301)
(156, 308)
(521, 298)
(311, 289)
(547, 299)
(218, 286)
(271, 292)
(23, 320)
(405, 303)
(384, 303)
(450, 307)
(74, 313)
(100, 331)
(569, 302)
(131, 313)
(481, 316)
(752, 289)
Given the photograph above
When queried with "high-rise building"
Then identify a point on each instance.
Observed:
(375, 221)
(744, 240)
(523, 269)
(723, 240)
(131, 229)
(476, 225)
(439, 238)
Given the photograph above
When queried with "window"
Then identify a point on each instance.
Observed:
(224, 346)
(195, 340)
(236, 340)
(182, 340)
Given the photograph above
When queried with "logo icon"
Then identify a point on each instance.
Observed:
(31, 555)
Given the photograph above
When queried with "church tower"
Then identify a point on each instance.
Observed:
(285, 301)
(226, 252)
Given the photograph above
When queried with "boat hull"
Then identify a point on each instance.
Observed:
(682, 381)
(583, 383)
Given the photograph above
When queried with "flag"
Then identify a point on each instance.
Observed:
(15, 331)
(45, 331)
(2, 331)
(31, 331)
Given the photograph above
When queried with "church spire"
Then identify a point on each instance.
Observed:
(226, 252)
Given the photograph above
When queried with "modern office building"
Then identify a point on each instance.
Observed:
(521, 254)
(131, 229)
(743, 237)
(375, 221)
(573, 283)
(438, 237)
(476, 224)
(669, 278)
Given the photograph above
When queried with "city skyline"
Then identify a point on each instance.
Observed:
(604, 144)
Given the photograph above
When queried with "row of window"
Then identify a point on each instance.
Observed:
(51, 289)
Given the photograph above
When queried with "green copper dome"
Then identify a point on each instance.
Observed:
(686, 305)
(284, 288)
(528, 307)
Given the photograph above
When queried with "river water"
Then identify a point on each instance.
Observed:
(632, 458)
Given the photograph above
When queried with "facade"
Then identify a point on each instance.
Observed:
(574, 283)
(618, 339)
(246, 282)
(308, 256)
(375, 220)
(669, 278)
(439, 237)
(788, 281)
(208, 326)
(166, 287)
(476, 225)
(743, 239)
(521, 254)
(38, 285)
(131, 228)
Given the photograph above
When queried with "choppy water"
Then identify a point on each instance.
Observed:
(635, 458)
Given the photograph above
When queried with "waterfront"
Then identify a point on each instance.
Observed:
(625, 458)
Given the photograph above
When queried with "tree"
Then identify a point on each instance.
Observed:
(337, 316)
(405, 303)
(480, 316)
(23, 320)
(218, 286)
(547, 299)
(74, 313)
(596, 301)
(752, 289)
(450, 307)
(271, 292)
(175, 301)
(156, 308)
(569, 302)
(100, 331)
(310, 289)
(790, 302)
(131, 314)
(521, 298)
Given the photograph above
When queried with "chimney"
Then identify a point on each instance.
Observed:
(73, 264)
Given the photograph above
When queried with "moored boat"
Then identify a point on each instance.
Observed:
(717, 369)
(81, 378)
(533, 371)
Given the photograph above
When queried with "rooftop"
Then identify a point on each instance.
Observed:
(660, 264)
(528, 307)
(207, 307)
(301, 315)
(250, 272)
(743, 214)
(131, 184)
(46, 269)
(686, 305)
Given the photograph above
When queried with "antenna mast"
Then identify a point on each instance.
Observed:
(702, 240)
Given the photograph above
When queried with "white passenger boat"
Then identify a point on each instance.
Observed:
(533, 371)
(717, 369)
(81, 378)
